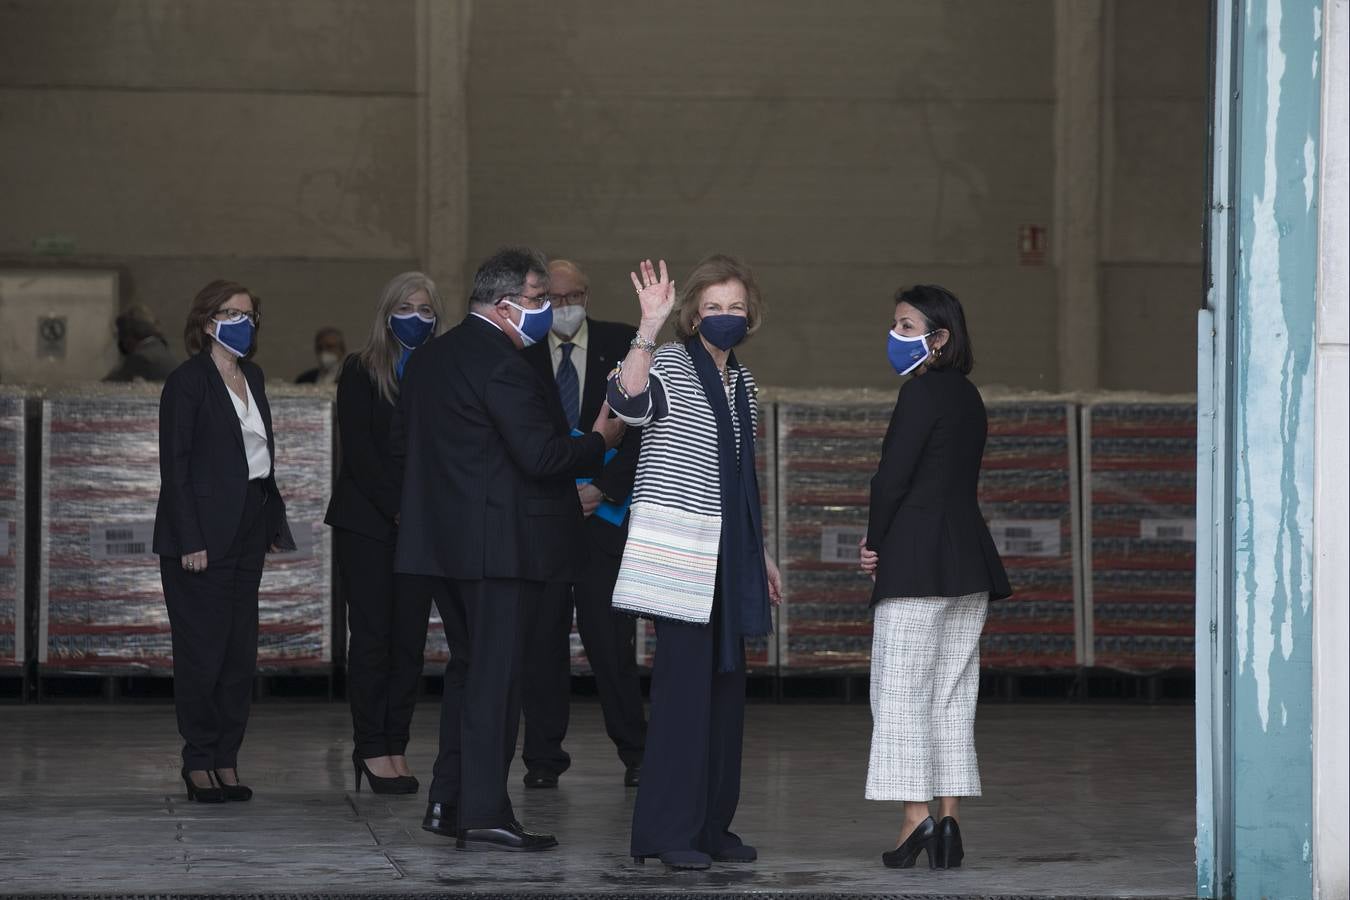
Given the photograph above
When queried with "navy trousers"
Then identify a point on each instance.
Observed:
(691, 772)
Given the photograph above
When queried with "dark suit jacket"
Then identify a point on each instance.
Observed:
(203, 473)
(487, 471)
(924, 520)
(606, 344)
(366, 494)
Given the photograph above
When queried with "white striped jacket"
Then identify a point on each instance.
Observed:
(669, 563)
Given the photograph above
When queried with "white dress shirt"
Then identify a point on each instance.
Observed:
(578, 359)
(255, 434)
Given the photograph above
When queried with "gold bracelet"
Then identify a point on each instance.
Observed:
(641, 343)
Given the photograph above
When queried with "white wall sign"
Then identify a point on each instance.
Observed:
(1027, 537)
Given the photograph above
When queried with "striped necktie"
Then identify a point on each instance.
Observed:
(569, 391)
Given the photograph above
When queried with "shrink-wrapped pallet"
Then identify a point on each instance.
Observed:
(829, 446)
(101, 603)
(13, 435)
(1139, 488)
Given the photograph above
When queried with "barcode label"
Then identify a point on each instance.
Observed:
(1167, 529)
(839, 543)
(1027, 537)
(118, 540)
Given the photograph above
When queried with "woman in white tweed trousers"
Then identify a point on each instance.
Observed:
(935, 567)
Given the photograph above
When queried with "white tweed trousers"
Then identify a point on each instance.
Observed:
(925, 680)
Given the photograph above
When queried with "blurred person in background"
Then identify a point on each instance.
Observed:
(329, 350)
(386, 613)
(695, 560)
(576, 361)
(935, 569)
(219, 514)
(145, 353)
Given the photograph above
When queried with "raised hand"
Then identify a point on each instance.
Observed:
(656, 294)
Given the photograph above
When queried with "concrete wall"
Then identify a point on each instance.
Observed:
(1155, 102)
(183, 140)
(842, 149)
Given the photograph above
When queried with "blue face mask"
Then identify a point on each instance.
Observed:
(534, 323)
(236, 337)
(725, 331)
(411, 330)
(907, 353)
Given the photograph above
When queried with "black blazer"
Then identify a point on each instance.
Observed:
(924, 519)
(486, 467)
(366, 494)
(203, 473)
(606, 344)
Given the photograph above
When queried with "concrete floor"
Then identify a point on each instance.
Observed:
(1080, 801)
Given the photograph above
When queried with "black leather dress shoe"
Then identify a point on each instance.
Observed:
(632, 775)
(511, 838)
(538, 778)
(440, 819)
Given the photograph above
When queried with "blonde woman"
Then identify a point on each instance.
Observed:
(695, 560)
(386, 613)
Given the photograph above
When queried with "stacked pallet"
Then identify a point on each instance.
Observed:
(13, 435)
(1139, 487)
(101, 606)
(828, 450)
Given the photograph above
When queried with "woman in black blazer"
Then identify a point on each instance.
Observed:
(936, 569)
(219, 514)
(386, 613)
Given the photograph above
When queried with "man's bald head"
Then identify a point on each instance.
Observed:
(565, 277)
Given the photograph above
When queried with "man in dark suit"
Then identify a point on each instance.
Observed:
(576, 360)
(489, 514)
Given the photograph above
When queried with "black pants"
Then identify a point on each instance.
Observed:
(609, 639)
(213, 617)
(480, 708)
(691, 775)
(387, 616)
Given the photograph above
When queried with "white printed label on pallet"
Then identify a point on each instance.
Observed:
(116, 540)
(839, 543)
(4, 538)
(1027, 537)
(1167, 529)
(305, 540)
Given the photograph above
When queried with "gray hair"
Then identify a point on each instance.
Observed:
(504, 274)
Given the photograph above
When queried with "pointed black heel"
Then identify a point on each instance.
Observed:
(235, 791)
(949, 848)
(925, 837)
(196, 794)
(396, 785)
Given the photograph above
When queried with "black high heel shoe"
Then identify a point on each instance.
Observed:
(950, 851)
(212, 794)
(925, 837)
(233, 791)
(399, 784)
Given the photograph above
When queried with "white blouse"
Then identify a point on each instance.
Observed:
(255, 434)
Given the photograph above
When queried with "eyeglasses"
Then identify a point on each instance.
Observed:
(571, 299)
(235, 316)
(535, 302)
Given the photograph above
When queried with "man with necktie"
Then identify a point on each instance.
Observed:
(577, 358)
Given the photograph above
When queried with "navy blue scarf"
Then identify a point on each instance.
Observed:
(744, 583)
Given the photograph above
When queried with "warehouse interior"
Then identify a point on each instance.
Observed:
(1046, 160)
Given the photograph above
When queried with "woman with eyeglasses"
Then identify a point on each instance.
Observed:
(219, 514)
(386, 613)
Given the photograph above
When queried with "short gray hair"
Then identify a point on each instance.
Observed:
(505, 272)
